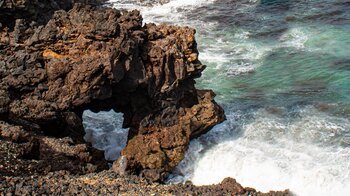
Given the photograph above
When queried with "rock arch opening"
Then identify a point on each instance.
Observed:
(104, 131)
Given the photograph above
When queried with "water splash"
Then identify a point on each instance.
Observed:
(307, 152)
(104, 131)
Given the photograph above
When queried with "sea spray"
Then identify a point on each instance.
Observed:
(304, 150)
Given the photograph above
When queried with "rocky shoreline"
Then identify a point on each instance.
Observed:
(109, 183)
(58, 59)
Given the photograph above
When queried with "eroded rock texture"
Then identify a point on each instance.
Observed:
(99, 59)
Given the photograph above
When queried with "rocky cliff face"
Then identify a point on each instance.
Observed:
(100, 59)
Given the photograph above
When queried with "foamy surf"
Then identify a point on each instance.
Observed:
(308, 154)
(168, 12)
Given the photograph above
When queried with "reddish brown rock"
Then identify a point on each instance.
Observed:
(99, 59)
(160, 146)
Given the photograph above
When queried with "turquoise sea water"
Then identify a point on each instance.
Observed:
(282, 51)
(281, 70)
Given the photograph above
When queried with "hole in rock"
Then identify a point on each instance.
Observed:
(104, 131)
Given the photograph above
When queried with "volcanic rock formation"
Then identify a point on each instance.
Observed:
(51, 70)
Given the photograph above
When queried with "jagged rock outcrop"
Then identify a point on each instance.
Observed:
(99, 59)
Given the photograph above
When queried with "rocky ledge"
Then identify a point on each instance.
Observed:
(58, 60)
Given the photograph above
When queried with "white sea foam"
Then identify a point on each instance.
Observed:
(171, 12)
(294, 37)
(309, 154)
(235, 57)
(104, 131)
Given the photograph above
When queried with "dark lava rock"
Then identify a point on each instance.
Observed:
(24, 153)
(100, 59)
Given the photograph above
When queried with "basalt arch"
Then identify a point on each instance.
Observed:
(101, 59)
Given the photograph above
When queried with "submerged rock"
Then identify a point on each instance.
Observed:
(100, 59)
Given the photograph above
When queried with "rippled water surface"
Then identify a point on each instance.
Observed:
(281, 70)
